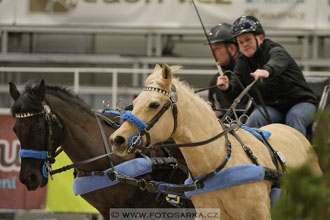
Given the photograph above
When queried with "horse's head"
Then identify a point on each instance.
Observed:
(37, 131)
(152, 117)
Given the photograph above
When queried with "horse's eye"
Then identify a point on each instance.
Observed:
(154, 105)
(14, 129)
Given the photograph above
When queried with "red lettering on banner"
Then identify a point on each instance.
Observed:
(14, 194)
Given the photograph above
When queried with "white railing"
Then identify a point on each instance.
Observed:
(113, 89)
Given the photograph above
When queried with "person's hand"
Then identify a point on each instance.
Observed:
(259, 73)
(223, 82)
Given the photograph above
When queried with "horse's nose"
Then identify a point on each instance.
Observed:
(30, 181)
(118, 140)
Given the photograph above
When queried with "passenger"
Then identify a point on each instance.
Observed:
(281, 89)
(225, 51)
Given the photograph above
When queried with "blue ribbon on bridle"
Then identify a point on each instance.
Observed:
(135, 139)
(36, 154)
(128, 115)
(33, 154)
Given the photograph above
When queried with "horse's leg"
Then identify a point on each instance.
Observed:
(248, 201)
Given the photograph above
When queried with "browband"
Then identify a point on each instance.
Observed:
(150, 88)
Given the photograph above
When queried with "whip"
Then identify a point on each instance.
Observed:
(208, 40)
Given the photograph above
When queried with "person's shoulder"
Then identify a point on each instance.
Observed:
(241, 58)
(270, 44)
(271, 47)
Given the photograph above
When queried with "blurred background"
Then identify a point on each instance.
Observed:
(104, 49)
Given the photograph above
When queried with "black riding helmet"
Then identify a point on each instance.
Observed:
(247, 24)
(221, 33)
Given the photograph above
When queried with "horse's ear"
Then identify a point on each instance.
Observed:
(14, 93)
(157, 67)
(42, 89)
(175, 68)
(166, 72)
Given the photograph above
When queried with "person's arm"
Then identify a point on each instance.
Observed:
(279, 59)
(234, 88)
(211, 91)
(223, 82)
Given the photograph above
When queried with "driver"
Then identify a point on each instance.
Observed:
(282, 89)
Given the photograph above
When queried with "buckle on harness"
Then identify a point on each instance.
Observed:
(113, 175)
(173, 199)
(280, 156)
(135, 140)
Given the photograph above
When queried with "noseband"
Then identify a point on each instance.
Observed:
(135, 141)
(49, 155)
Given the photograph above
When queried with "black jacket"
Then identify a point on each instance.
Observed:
(218, 97)
(285, 86)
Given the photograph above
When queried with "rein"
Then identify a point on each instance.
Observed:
(106, 146)
(237, 100)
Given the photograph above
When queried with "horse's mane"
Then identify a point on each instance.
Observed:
(66, 95)
(155, 79)
(30, 100)
(200, 102)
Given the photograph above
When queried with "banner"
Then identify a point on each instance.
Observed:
(14, 194)
(323, 17)
(301, 14)
(8, 12)
(60, 189)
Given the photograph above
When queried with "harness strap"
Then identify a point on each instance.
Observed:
(274, 154)
(268, 118)
(270, 174)
(239, 97)
(75, 165)
(246, 149)
(174, 98)
(110, 122)
(156, 118)
(104, 139)
(200, 182)
(195, 144)
(188, 189)
(273, 176)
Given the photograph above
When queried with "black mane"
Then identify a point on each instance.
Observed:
(31, 101)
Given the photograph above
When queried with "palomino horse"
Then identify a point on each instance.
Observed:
(197, 122)
(75, 129)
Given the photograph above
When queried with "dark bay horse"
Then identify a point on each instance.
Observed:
(75, 129)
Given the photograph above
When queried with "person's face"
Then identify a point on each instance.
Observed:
(247, 44)
(221, 53)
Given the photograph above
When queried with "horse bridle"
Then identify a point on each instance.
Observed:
(47, 155)
(135, 141)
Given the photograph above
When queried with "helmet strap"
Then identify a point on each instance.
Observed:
(228, 51)
(257, 43)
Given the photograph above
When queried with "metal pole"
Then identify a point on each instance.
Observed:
(114, 88)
